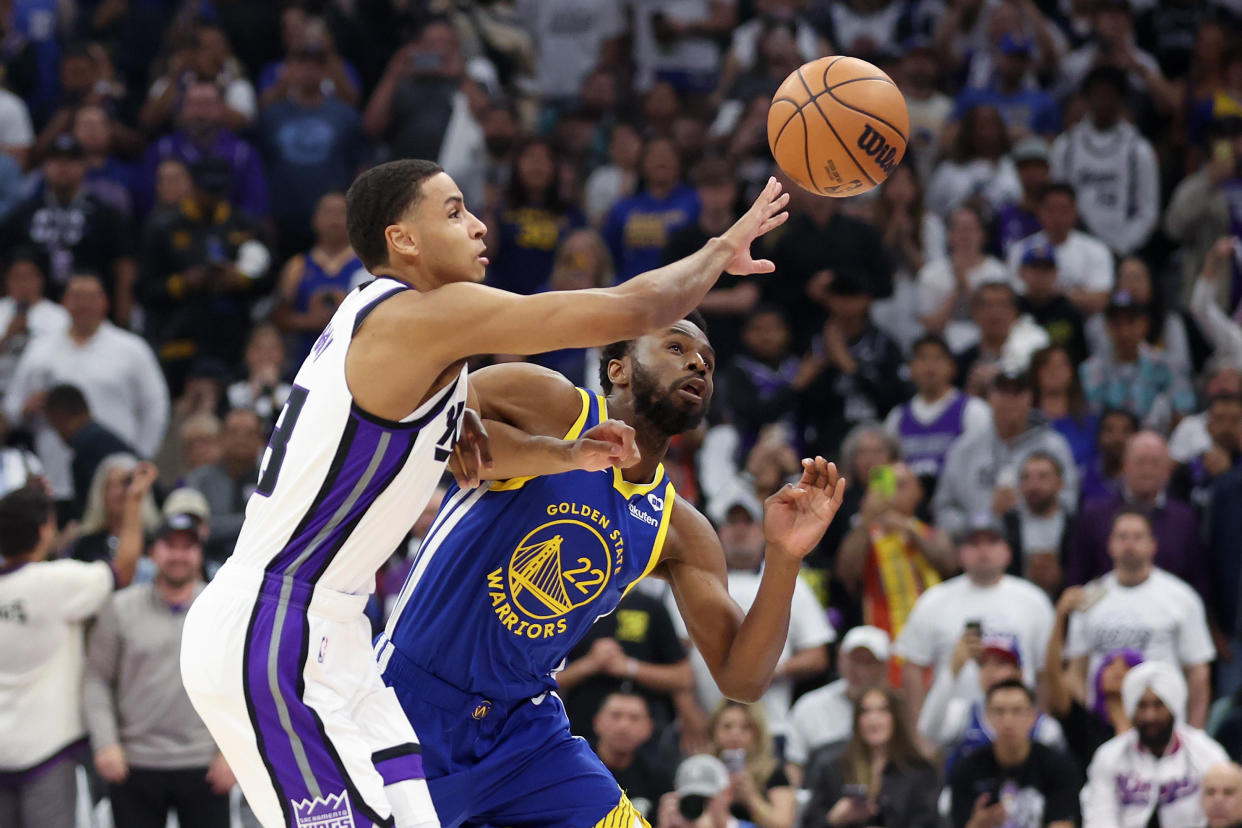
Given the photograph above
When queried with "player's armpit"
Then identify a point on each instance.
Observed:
(530, 397)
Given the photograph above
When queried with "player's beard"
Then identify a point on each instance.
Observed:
(658, 408)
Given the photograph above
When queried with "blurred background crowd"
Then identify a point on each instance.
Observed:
(1024, 350)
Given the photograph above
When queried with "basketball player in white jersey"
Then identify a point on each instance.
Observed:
(276, 653)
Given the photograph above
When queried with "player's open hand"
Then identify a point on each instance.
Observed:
(767, 213)
(472, 452)
(794, 519)
(609, 444)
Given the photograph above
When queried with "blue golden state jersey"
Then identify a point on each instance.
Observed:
(510, 576)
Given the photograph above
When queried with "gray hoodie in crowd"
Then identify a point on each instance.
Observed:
(978, 461)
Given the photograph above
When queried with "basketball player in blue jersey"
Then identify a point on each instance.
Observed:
(512, 574)
(276, 651)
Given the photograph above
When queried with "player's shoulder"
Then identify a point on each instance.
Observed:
(688, 528)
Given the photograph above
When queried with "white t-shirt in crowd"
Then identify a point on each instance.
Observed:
(936, 284)
(1190, 438)
(15, 127)
(824, 716)
(569, 35)
(1163, 618)
(696, 55)
(1083, 261)
(43, 607)
(43, 318)
(954, 183)
(1012, 606)
(121, 379)
(808, 627)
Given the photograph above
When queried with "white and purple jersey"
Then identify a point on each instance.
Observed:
(924, 445)
(338, 487)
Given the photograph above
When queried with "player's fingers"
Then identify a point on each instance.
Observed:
(466, 463)
(838, 493)
(762, 266)
(778, 204)
(484, 445)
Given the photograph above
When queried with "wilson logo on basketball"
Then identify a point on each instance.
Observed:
(873, 143)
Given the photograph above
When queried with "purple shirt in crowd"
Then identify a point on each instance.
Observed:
(249, 191)
(1178, 546)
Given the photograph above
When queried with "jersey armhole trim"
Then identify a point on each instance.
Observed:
(657, 548)
(437, 406)
(575, 430)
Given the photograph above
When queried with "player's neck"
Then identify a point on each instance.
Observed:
(414, 277)
(652, 443)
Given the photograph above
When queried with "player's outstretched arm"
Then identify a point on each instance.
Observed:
(527, 412)
(742, 650)
(465, 319)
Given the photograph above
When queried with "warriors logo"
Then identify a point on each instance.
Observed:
(558, 566)
(540, 583)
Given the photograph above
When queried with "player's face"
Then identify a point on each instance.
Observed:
(671, 377)
(449, 237)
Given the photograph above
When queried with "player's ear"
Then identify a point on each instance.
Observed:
(619, 371)
(401, 240)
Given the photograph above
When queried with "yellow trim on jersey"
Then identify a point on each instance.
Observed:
(623, 815)
(622, 485)
(657, 547)
(515, 483)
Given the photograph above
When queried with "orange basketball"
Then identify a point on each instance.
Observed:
(838, 126)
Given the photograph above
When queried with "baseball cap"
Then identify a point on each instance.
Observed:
(1041, 255)
(187, 501)
(1002, 646)
(872, 639)
(65, 146)
(980, 522)
(179, 523)
(701, 775)
(719, 508)
(1123, 301)
(1011, 44)
(1032, 148)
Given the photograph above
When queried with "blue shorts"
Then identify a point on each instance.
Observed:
(503, 763)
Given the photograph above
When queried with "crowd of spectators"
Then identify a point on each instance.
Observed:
(1023, 349)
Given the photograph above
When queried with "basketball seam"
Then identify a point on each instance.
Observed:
(868, 114)
(797, 108)
(806, 148)
(831, 127)
(856, 80)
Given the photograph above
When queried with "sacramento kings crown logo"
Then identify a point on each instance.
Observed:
(332, 812)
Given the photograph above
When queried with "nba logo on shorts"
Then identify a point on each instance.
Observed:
(332, 812)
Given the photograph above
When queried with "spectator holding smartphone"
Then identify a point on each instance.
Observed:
(1014, 782)
(25, 313)
(761, 790)
(880, 779)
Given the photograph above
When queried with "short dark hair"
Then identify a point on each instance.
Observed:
(1108, 76)
(625, 691)
(1131, 511)
(1010, 684)
(1054, 187)
(618, 350)
(377, 199)
(932, 340)
(22, 513)
(1046, 456)
(68, 400)
(1125, 413)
